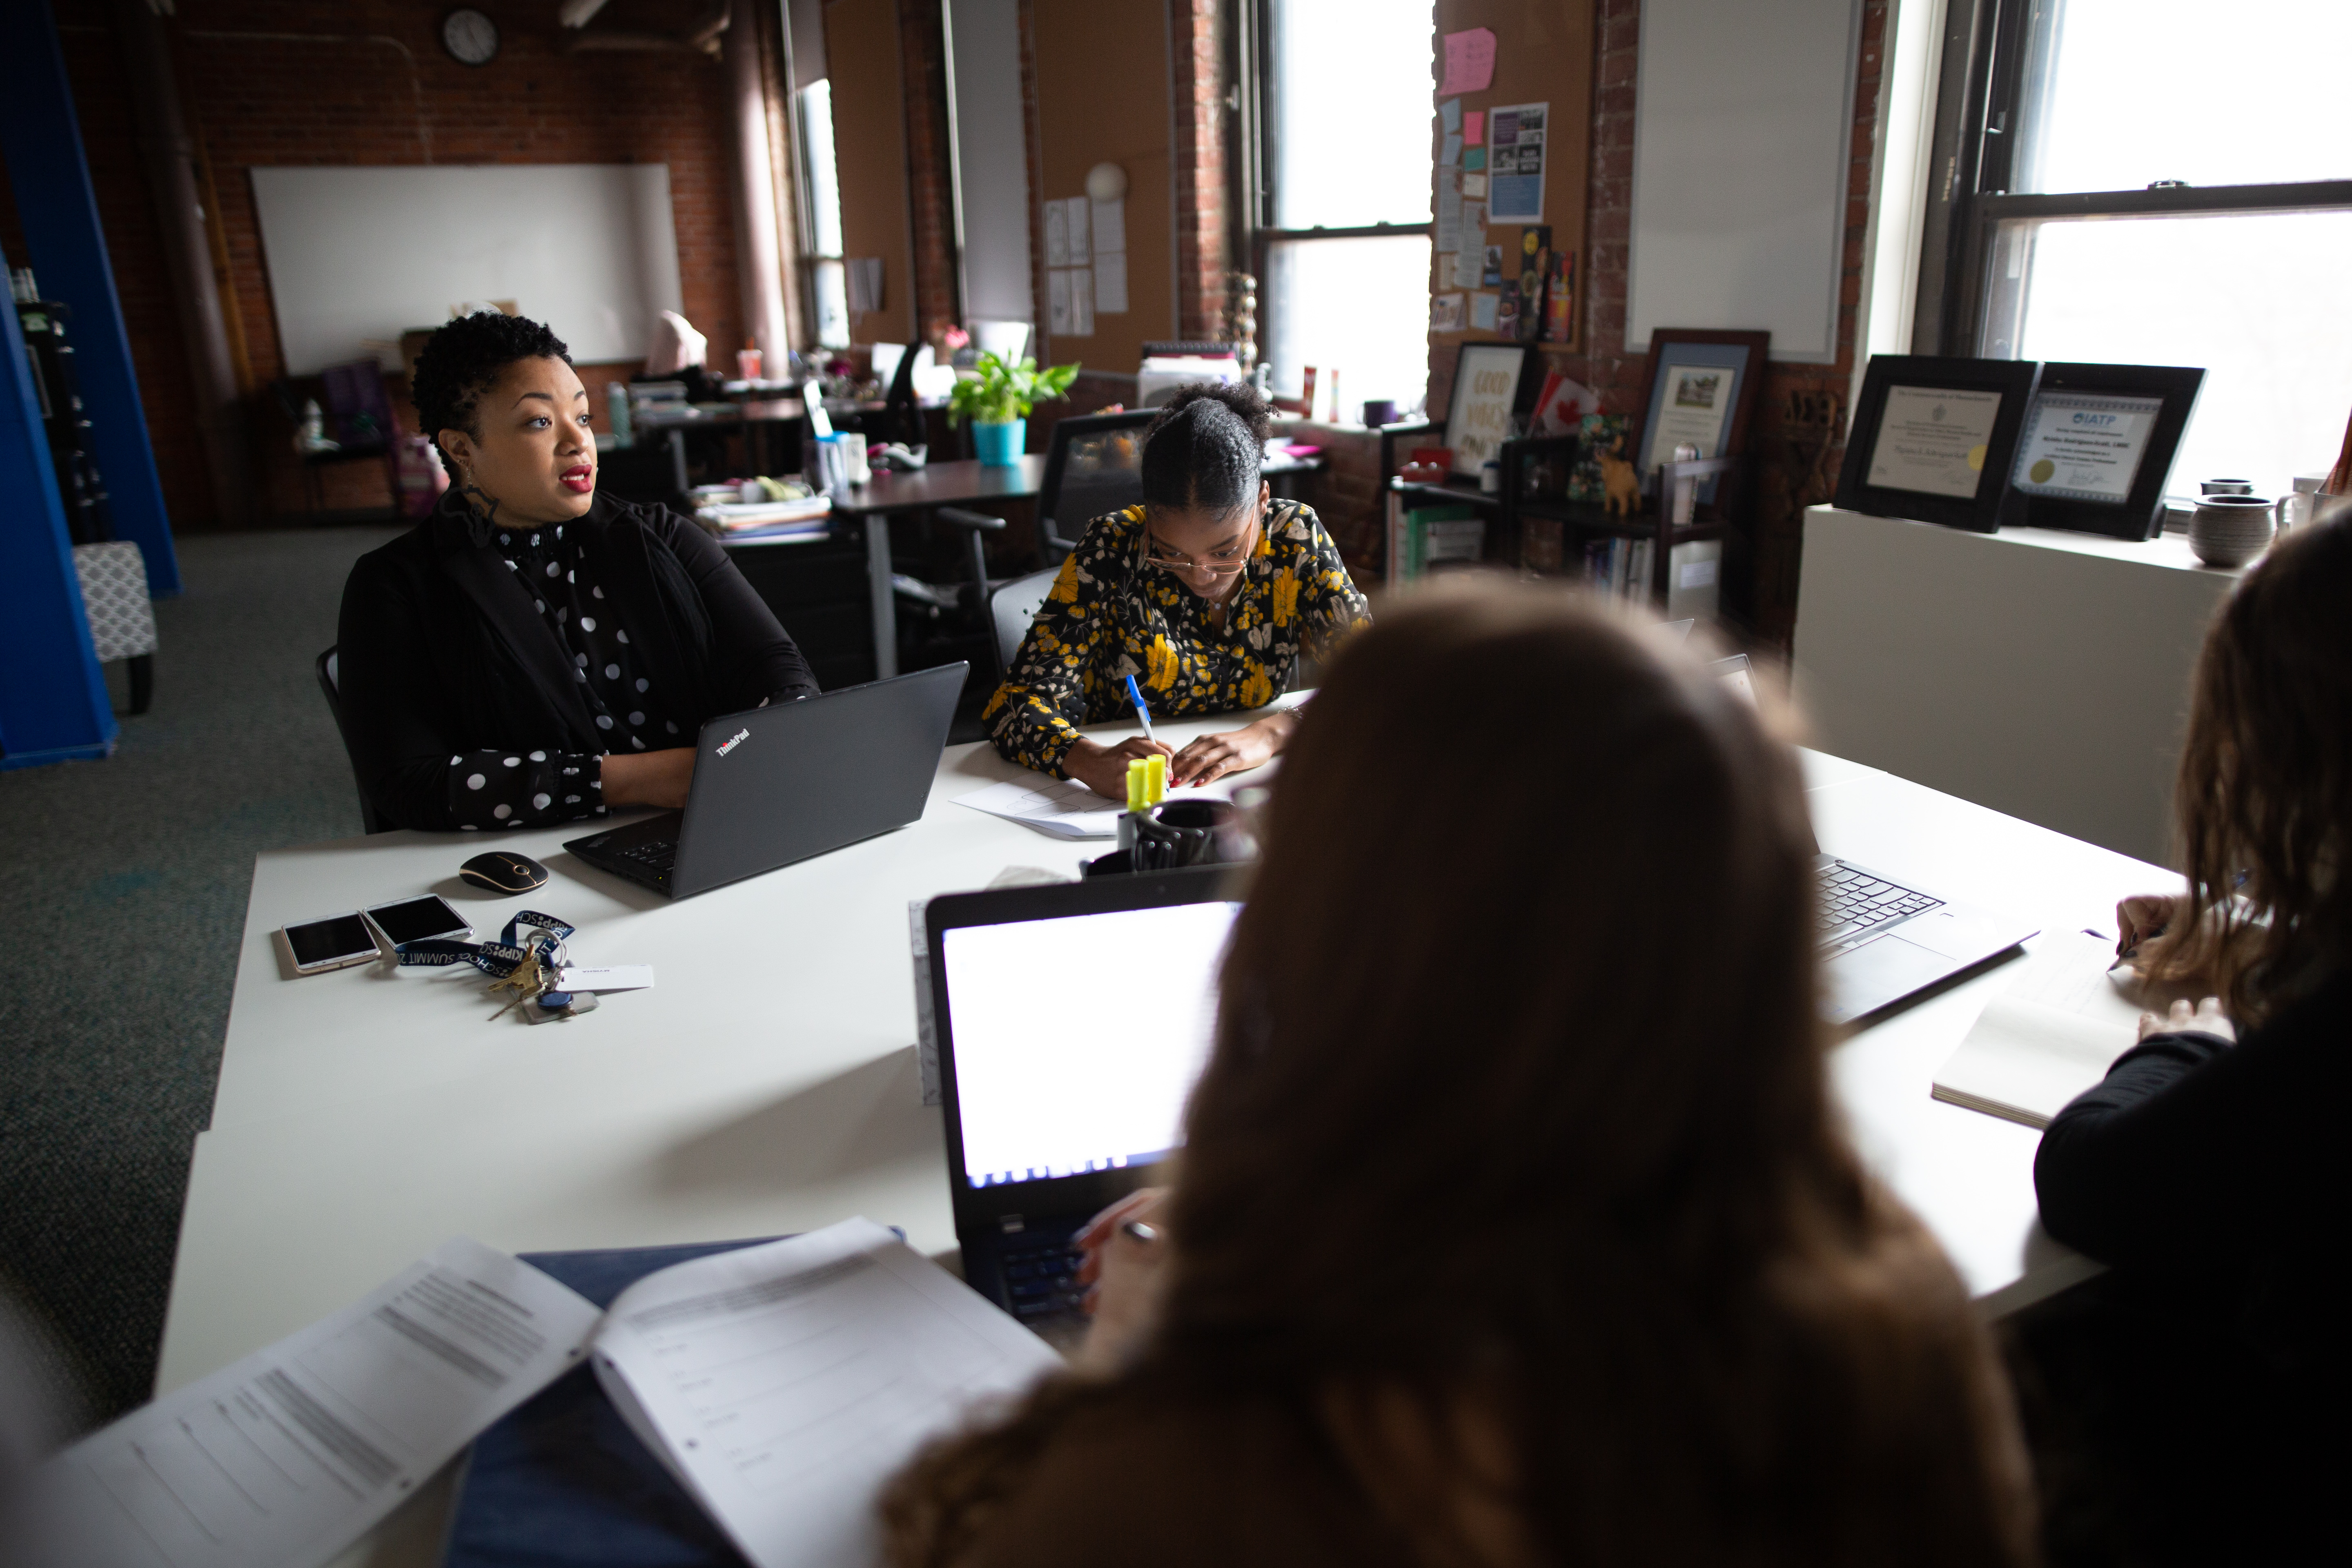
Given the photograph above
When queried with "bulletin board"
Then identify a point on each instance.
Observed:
(1542, 56)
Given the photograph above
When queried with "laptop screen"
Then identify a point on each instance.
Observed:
(1078, 1039)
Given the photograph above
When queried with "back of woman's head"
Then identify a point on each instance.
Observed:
(1205, 450)
(1529, 953)
(2265, 785)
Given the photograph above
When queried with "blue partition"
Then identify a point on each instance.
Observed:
(50, 178)
(53, 701)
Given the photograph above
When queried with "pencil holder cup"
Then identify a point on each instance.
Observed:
(1186, 833)
(2230, 530)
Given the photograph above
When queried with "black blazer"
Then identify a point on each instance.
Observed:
(442, 651)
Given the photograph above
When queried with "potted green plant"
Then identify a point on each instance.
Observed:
(997, 397)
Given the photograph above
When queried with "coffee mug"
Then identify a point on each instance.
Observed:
(1380, 412)
(2225, 487)
(2230, 530)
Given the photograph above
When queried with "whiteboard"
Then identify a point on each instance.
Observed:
(991, 161)
(1743, 127)
(360, 254)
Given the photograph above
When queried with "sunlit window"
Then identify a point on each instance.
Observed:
(1346, 165)
(821, 196)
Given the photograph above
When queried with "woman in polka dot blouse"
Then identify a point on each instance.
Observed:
(535, 652)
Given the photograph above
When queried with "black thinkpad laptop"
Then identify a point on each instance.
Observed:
(782, 784)
(1047, 1125)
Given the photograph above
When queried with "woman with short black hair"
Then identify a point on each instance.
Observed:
(1208, 594)
(535, 652)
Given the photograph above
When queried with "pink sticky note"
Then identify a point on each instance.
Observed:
(1474, 128)
(1469, 61)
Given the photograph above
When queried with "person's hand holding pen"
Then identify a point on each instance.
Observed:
(1127, 1251)
(1103, 769)
(2143, 917)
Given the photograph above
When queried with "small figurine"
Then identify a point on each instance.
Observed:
(1617, 476)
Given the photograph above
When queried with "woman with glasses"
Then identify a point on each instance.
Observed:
(1207, 594)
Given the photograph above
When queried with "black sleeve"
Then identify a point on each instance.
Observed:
(756, 659)
(2193, 1152)
(400, 748)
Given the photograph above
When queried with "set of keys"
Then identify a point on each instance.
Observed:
(532, 967)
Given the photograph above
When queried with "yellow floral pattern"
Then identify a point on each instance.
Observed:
(1110, 616)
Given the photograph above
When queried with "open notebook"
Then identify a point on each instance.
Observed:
(2051, 1034)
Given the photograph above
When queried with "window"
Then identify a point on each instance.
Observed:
(819, 183)
(1344, 178)
(2112, 216)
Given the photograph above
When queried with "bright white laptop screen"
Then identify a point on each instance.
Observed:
(1077, 1040)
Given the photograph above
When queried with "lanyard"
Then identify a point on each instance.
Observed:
(496, 958)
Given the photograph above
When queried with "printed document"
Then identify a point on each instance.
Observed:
(285, 1459)
(784, 1384)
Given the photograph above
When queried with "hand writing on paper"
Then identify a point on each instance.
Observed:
(1212, 757)
(2143, 917)
(1103, 769)
(2205, 1018)
(1127, 1275)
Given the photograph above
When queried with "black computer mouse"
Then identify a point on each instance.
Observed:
(503, 871)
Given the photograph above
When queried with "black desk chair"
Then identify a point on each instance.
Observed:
(330, 685)
(1094, 465)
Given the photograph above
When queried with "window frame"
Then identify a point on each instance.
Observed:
(1260, 160)
(811, 261)
(1982, 88)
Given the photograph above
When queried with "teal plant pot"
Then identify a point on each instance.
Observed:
(999, 443)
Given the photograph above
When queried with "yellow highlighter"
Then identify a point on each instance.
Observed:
(1138, 784)
(1156, 775)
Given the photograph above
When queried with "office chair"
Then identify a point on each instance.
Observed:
(330, 685)
(1094, 465)
(1011, 606)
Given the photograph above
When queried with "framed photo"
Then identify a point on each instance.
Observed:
(1485, 393)
(2097, 447)
(1700, 388)
(1934, 439)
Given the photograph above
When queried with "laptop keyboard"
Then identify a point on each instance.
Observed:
(1041, 1278)
(657, 857)
(1855, 903)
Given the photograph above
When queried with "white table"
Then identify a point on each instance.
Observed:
(768, 1084)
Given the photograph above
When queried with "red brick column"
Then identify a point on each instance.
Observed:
(930, 188)
(1199, 30)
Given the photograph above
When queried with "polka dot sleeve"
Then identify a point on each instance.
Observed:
(490, 790)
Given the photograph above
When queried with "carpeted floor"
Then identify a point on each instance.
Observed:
(127, 883)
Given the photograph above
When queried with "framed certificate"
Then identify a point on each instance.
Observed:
(1935, 440)
(1700, 388)
(2097, 446)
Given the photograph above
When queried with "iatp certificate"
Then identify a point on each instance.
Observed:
(1932, 440)
(2085, 448)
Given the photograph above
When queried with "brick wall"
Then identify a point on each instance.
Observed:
(1200, 30)
(930, 190)
(1793, 473)
(367, 82)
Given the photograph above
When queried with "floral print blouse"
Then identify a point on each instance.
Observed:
(1110, 616)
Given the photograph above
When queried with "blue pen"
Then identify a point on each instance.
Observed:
(1135, 694)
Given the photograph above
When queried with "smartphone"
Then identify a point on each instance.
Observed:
(418, 919)
(337, 942)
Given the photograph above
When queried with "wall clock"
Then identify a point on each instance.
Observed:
(470, 38)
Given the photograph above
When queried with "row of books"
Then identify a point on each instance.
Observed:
(1620, 568)
(1423, 537)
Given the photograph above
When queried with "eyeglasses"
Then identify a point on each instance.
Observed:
(1218, 564)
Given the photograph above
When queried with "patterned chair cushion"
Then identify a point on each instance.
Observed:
(114, 596)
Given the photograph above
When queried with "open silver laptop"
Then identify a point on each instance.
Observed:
(1884, 939)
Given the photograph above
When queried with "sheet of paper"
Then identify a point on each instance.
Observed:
(1449, 211)
(1933, 440)
(607, 977)
(1469, 264)
(1110, 227)
(285, 1457)
(1515, 164)
(1482, 311)
(1058, 298)
(1081, 252)
(1445, 314)
(1057, 234)
(1449, 115)
(1065, 808)
(2051, 1034)
(1469, 61)
(1450, 154)
(1110, 282)
(1474, 185)
(1474, 128)
(1081, 302)
(2081, 447)
(785, 1384)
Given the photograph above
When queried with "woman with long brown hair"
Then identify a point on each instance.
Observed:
(2204, 1381)
(1514, 1223)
